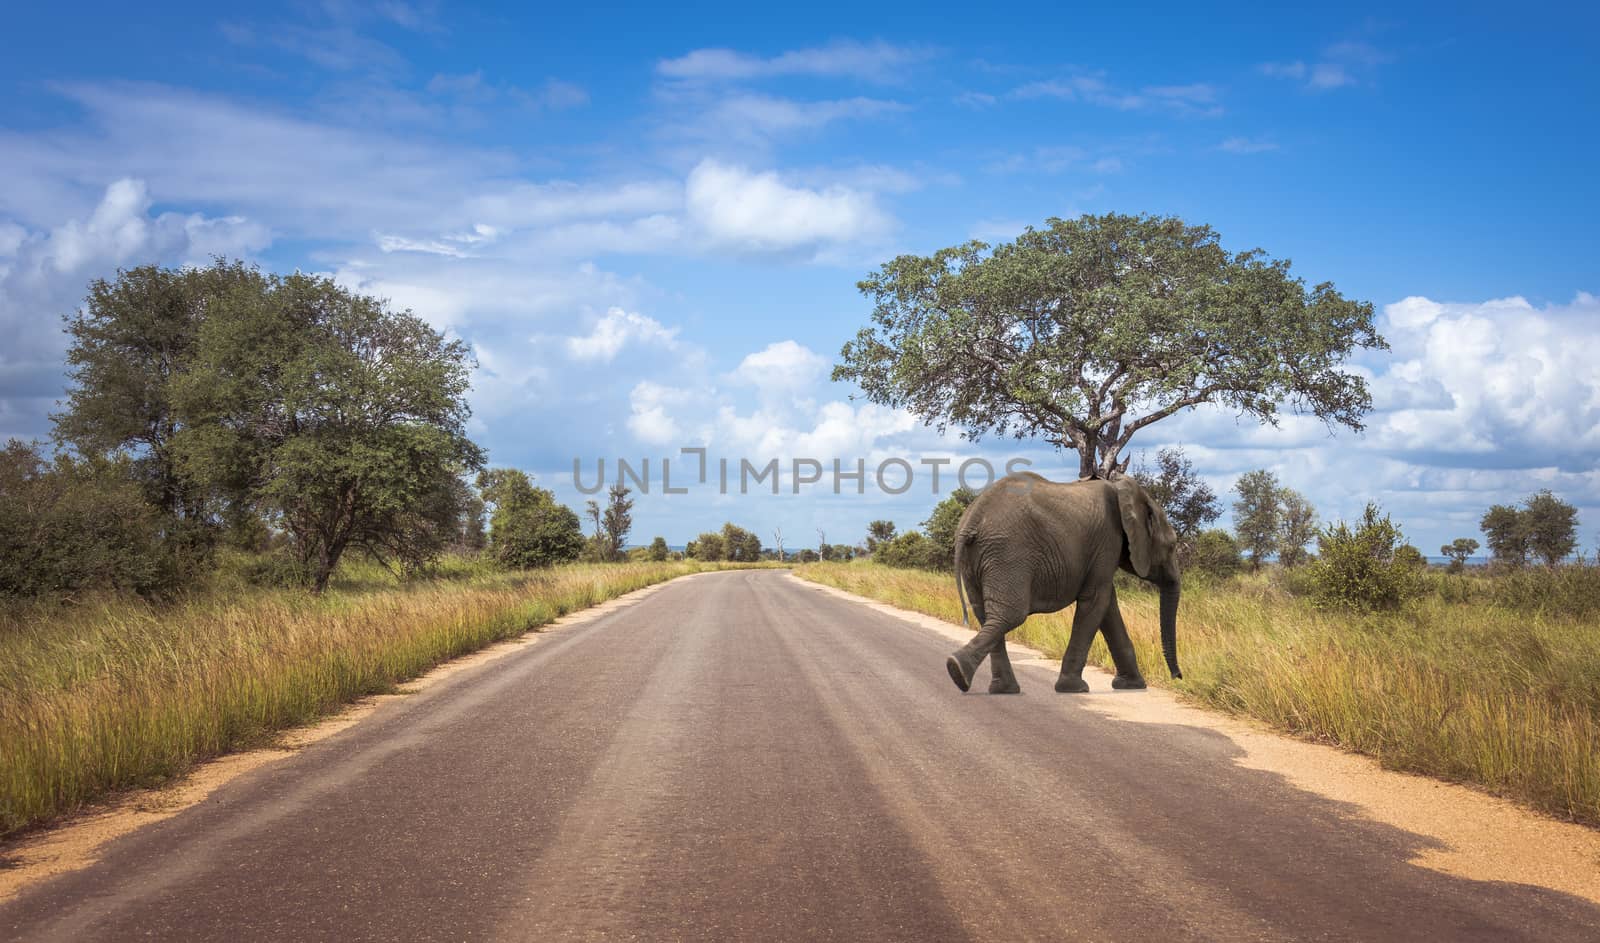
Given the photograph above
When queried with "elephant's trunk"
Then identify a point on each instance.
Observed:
(1169, 625)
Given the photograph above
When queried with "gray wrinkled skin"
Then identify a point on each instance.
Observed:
(1030, 545)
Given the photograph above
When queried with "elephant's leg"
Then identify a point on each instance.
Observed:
(964, 663)
(1121, 647)
(1091, 610)
(1003, 681)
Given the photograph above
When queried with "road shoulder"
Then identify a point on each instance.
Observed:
(77, 841)
(1474, 835)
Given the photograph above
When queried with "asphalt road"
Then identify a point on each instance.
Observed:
(739, 756)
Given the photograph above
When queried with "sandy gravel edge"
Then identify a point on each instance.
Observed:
(75, 842)
(1480, 837)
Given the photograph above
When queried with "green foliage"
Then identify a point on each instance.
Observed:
(76, 525)
(1552, 527)
(708, 547)
(1571, 591)
(343, 421)
(615, 522)
(1189, 502)
(1297, 526)
(1545, 528)
(941, 526)
(1257, 516)
(877, 533)
(1365, 568)
(132, 339)
(808, 556)
(740, 545)
(528, 528)
(1507, 534)
(1458, 551)
(1058, 333)
(1407, 555)
(908, 550)
(657, 551)
(1214, 553)
(252, 405)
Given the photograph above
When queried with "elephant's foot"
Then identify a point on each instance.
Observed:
(1128, 683)
(1004, 686)
(960, 671)
(1066, 685)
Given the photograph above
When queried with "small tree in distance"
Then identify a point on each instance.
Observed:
(1297, 526)
(879, 532)
(616, 522)
(658, 550)
(1545, 527)
(1189, 502)
(1551, 525)
(1256, 516)
(1458, 551)
(1504, 528)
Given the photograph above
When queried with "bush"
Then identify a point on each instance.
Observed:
(528, 528)
(708, 547)
(1572, 590)
(910, 550)
(1364, 568)
(1214, 553)
(72, 525)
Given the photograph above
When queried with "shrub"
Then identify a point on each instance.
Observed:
(72, 525)
(1410, 556)
(909, 550)
(1362, 568)
(1214, 554)
(708, 547)
(528, 528)
(1572, 590)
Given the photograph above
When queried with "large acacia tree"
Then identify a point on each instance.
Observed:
(1089, 330)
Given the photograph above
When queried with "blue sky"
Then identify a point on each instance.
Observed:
(649, 223)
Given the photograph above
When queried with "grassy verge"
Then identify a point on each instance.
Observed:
(1504, 699)
(99, 696)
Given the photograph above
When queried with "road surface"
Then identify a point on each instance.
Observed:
(741, 756)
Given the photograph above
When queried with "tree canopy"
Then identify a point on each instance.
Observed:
(276, 403)
(1089, 330)
(1189, 502)
(1257, 514)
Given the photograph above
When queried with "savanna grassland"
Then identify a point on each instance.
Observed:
(1493, 682)
(100, 695)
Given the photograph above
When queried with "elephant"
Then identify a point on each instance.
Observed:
(1030, 545)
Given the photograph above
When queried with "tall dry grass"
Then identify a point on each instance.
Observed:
(1503, 698)
(109, 694)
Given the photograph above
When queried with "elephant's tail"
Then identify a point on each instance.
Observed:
(962, 539)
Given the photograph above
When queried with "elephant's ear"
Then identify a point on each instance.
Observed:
(1136, 509)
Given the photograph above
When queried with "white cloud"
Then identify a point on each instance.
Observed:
(785, 366)
(1499, 378)
(770, 115)
(876, 61)
(44, 272)
(649, 420)
(1342, 64)
(1196, 98)
(616, 330)
(758, 212)
(1246, 145)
